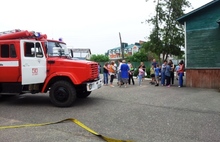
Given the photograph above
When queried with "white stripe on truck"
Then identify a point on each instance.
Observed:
(9, 63)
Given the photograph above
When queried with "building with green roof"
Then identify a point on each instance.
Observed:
(202, 45)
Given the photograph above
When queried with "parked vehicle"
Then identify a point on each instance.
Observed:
(31, 63)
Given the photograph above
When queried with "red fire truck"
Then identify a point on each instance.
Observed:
(31, 63)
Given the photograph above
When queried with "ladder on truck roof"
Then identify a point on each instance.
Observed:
(9, 32)
(20, 34)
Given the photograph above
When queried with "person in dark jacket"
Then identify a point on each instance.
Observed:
(131, 72)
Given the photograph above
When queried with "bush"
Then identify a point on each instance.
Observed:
(136, 72)
(99, 58)
(148, 72)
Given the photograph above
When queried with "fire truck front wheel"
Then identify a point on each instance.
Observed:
(62, 94)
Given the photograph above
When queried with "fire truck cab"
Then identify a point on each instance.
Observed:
(31, 63)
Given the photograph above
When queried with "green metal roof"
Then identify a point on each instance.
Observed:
(129, 46)
(186, 16)
(115, 48)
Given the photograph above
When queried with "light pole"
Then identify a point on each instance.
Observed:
(122, 46)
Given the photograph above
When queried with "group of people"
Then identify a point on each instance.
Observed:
(165, 73)
(124, 73)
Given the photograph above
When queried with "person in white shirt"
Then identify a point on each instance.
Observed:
(119, 72)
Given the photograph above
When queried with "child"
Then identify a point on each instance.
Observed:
(157, 73)
(152, 74)
(177, 73)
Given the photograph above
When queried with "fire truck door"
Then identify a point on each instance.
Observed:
(33, 62)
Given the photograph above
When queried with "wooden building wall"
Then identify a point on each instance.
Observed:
(203, 78)
(203, 48)
(203, 39)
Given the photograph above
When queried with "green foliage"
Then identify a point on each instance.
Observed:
(138, 57)
(151, 51)
(167, 35)
(148, 71)
(99, 58)
(136, 72)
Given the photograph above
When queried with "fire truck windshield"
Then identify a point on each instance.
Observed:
(57, 49)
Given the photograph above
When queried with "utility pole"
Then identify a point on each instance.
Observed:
(122, 46)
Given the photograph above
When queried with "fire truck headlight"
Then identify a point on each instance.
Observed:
(90, 86)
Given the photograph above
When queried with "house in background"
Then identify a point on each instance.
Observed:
(116, 53)
(80, 53)
(202, 45)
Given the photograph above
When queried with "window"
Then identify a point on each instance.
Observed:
(29, 49)
(5, 51)
(33, 50)
(56, 49)
(39, 52)
(12, 51)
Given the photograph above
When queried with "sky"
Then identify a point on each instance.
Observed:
(93, 24)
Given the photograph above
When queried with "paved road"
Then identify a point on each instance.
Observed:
(141, 113)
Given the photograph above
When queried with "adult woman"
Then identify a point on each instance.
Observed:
(124, 72)
(163, 69)
(105, 74)
(112, 70)
(171, 72)
(181, 73)
(167, 74)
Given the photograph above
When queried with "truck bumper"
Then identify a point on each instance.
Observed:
(90, 86)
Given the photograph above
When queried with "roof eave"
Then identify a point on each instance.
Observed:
(182, 19)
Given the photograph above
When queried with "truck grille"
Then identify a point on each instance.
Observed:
(94, 71)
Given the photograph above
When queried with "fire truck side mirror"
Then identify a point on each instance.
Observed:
(71, 52)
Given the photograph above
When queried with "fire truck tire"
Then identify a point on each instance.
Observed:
(83, 94)
(62, 94)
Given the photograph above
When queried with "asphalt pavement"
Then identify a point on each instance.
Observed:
(140, 113)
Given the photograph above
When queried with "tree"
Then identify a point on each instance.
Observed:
(167, 35)
(138, 57)
(152, 53)
(99, 58)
